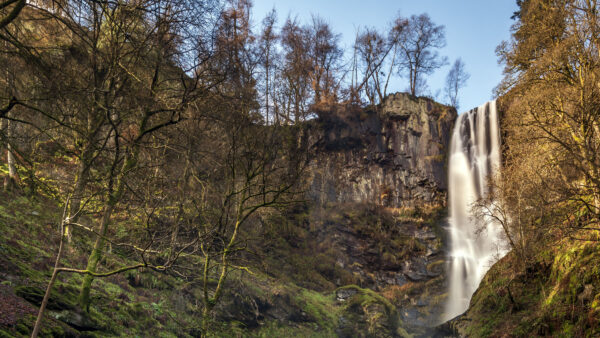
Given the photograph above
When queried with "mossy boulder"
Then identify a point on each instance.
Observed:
(79, 320)
(367, 314)
(34, 295)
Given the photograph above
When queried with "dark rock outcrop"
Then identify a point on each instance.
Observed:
(399, 254)
(394, 156)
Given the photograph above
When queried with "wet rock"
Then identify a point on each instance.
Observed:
(34, 295)
(244, 308)
(416, 269)
(279, 308)
(432, 251)
(414, 276)
(77, 320)
(410, 314)
(436, 265)
(400, 279)
(447, 329)
(426, 235)
(300, 317)
(344, 294)
(421, 302)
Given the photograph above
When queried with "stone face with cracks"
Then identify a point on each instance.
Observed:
(394, 155)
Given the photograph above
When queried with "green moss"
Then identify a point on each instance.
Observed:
(161, 304)
(367, 311)
(22, 328)
(368, 296)
(319, 307)
(4, 334)
(276, 329)
(33, 294)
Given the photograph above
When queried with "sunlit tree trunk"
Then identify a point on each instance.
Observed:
(10, 182)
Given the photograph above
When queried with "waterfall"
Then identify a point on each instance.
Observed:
(474, 156)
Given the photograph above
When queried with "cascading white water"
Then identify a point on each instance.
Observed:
(474, 156)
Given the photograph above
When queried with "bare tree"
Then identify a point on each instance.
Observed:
(418, 55)
(455, 80)
(130, 70)
(296, 69)
(268, 51)
(372, 50)
(551, 121)
(376, 58)
(237, 169)
(235, 57)
(325, 57)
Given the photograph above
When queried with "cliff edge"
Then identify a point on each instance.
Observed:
(394, 156)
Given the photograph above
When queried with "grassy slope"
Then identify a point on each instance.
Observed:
(141, 303)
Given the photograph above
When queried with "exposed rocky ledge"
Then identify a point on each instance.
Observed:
(394, 155)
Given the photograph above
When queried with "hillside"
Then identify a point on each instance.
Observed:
(149, 191)
(549, 193)
(182, 169)
(299, 301)
(372, 265)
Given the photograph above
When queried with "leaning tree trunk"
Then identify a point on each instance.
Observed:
(38, 321)
(112, 199)
(95, 256)
(10, 181)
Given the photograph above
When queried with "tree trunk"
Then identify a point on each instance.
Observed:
(10, 182)
(12, 169)
(95, 256)
(413, 82)
(205, 319)
(112, 199)
(80, 185)
(267, 86)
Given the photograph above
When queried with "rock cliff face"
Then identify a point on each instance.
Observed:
(377, 186)
(395, 157)
(399, 253)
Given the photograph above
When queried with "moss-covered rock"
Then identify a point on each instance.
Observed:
(34, 295)
(367, 314)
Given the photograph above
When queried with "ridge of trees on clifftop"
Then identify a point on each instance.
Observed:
(294, 67)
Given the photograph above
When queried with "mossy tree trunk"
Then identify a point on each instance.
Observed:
(94, 126)
(10, 182)
(95, 256)
(112, 198)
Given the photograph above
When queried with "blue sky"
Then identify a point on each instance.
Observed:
(473, 30)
